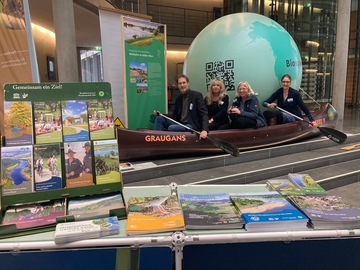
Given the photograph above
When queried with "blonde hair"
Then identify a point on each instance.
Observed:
(248, 87)
(209, 95)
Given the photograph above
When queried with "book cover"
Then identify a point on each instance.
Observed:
(306, 183)
(47, 167)
(35, 215)
(18, 123)
(209, 211)
(47, 121)
(101, 122)
(268, 210)
(328, 212)
(80, 230)
(106, 155)
(75, 120)
(94, 206)
(78, 164)
(284, 187)
(154, 214)
(16, 170)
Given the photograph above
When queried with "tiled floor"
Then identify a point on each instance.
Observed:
(350, 193)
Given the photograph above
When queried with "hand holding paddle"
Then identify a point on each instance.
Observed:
(330, 133)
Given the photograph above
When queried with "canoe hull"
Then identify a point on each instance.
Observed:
(145, 144)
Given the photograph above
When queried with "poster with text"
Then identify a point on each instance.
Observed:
(145, 70)
(14, 53)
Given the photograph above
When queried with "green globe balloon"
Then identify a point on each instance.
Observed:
(243, 47)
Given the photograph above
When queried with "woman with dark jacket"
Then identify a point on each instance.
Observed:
(217, 103)
(245, 111)
(288, 99)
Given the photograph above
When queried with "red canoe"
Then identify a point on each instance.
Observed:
(144, 144)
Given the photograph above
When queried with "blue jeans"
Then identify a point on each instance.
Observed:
(162, 123)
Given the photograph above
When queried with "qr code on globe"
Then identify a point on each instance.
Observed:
(223, 70)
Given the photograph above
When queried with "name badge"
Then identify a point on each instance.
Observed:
(191, 106)
(290, 100)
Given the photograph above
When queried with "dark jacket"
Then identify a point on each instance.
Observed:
(219, 112)
(251, 110)
(292, 104)
(198, 114)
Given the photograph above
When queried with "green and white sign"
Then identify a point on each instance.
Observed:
(145, 70)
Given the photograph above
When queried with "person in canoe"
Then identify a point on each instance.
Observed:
(245, 110)
(217, 102)
(288, 99)
(190, 110)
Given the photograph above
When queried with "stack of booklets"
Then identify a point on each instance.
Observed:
(209, 211)
(307, 184)
(81, 230)
(268, 211)
(154, 214)
(284, 187)
(328, 212)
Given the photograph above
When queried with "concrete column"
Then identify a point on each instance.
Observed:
(341, 58)
(142, 6)
(67, 62)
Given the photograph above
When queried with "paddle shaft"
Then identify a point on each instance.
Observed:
(225, 146)
(310, 97)
(297, 117)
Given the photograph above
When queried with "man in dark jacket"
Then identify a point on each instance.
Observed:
(87, 161)
(190, 110)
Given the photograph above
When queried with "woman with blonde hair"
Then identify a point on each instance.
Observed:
(217, 103)
(245, 111)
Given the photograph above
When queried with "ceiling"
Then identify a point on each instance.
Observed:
(87, 26)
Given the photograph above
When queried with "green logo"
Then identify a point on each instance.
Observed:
(101, 93)
(331, 114)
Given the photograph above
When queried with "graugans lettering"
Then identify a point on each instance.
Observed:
(165, 138)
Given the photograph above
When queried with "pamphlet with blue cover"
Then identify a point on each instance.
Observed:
(268, 211)
(16, 170)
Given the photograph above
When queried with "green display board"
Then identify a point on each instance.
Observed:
(145, 70)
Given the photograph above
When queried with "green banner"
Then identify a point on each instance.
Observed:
(57, 91)
(145, 70)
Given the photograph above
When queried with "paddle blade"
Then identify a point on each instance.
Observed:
(333, 134)
(225, 146)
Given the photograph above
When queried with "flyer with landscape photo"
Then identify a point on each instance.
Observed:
(47, 121)
(75, 120)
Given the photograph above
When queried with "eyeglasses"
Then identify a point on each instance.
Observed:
(286, 81)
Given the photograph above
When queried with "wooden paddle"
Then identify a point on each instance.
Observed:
(350, 147)
(225, 146)
(330, 133)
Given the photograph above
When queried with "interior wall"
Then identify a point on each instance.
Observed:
(174, 60)
(45, 45)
